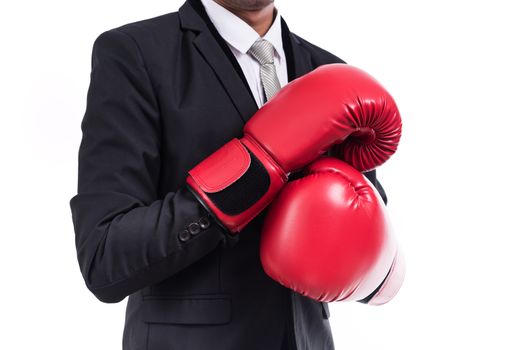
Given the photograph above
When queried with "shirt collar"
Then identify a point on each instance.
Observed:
(238, 33)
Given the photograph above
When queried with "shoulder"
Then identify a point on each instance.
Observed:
(319, 56)
(146, 31)
(159, 26)
(148, 38)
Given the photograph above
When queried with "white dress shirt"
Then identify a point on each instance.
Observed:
(239, 36)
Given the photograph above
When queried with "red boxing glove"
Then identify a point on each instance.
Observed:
(327, 236)
(306, 118)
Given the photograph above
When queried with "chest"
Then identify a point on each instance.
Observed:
(197, 117)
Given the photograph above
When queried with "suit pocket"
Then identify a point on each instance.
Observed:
(193, 310)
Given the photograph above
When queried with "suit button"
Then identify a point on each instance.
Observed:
(194, 228)
(204, 222)
(184, 236)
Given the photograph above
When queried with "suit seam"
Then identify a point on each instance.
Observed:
(144, 65)
(139, 50)
(148, 333)
(220, 270)
(153, 93)
(293, 327)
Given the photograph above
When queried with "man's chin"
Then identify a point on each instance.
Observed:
(247, 5)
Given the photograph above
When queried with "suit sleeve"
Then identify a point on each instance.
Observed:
(126, 237)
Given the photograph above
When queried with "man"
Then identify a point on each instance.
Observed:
(165, 93)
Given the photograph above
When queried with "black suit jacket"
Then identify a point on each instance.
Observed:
(165, 93)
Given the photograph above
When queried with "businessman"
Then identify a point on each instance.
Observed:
(165, 93)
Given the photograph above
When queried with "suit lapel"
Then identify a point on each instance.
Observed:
(215, 55)
(297, 57)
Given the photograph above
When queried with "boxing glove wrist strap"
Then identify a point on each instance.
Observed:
(236, 182)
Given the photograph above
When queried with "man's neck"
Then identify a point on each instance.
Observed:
(260, 20)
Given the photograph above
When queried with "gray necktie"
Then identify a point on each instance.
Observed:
(263, 52)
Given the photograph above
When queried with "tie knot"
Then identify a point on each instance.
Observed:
(262, 51)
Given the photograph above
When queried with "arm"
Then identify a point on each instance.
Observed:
(126, 237)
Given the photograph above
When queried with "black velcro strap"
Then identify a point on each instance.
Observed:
(244, 192)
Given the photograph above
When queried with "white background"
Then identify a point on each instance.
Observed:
(455, 185)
